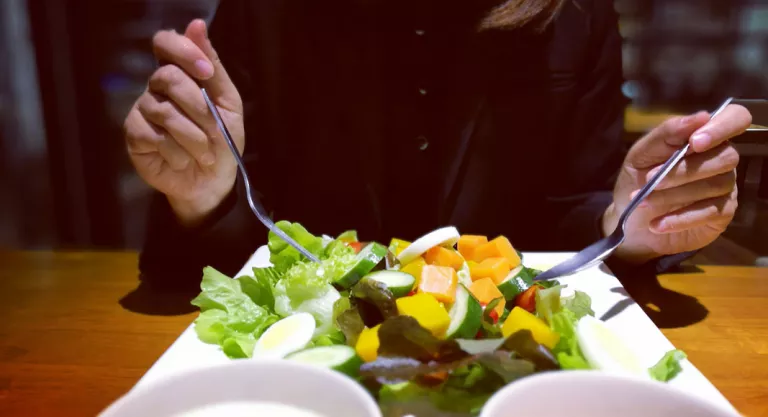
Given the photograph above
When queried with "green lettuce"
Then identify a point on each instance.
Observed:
(567, 350)
(668, 367)
(283, 255)
(229, 316)
(580, 304)
(548, 302)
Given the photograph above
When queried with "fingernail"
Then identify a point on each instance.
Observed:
(207, 159)
(205, 68)
(702, 139)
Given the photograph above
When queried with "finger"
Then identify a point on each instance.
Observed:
(172, 47)
(713, 162)
(166, 115)
(144, 139)
(658, 145)
(733, 121)
(684, 195)
(714, 213)
(172, 82)
(139, 136)
(219, 86)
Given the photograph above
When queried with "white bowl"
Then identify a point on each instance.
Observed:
(322, 391)
(597, 394)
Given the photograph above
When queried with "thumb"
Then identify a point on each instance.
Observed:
(219, 86)
(659, 145)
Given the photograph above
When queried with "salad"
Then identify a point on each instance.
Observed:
(449, 318)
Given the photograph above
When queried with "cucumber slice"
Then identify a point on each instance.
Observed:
(517, 281)
(466, 315)
(340, 358)
(366, 260)
(400, 283)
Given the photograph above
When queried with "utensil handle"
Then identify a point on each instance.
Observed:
(665, 169)
(256, 207)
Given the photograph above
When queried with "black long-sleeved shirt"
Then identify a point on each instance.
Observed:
(395, 117)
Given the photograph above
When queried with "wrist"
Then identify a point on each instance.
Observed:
(193, 212)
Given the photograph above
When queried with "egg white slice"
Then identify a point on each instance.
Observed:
(288, 335)
(445, 236)
(605, 350)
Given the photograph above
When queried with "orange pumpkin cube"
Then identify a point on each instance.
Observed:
(497, 248)
(468, 244)
(485, 290)
(440, 282)
(441, 256)
(495, 268)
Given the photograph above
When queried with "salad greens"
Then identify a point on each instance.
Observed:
(397, 333)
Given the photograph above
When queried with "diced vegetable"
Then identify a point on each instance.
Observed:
(338, 357)
(493, 268)
(466, 315)
(415, 268)
(444, 257)
(527, 300)
(439, 281)
(468, 244)
(485, 290)
(366, 260)
(348, 236)
(515, 283)
(498, 248)
(397, 245)
(400, 283)
(427, 311)
(367, 346)
(520, 319)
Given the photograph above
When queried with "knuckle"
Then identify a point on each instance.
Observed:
(170, 75)
(729, 158)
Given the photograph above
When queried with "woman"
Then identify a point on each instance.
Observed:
(394, 117)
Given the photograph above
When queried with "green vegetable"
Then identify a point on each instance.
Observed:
(668, 367)
(347, 319)
(339, 358)
(229, 316)
(398, 282)
(283, 255)
(370, 256)
(580, 304)
(466, 315)
(548, 302)
(516, 282)
(567, 350)
(374, 300)
(348, 236)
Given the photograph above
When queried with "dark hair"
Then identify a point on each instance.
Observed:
(513, 14)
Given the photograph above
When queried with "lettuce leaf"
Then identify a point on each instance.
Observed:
(668, 367)
(283, 255)
(229, 316)
(580, 304)
(548, 302)
(567, 350)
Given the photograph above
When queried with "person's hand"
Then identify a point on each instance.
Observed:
(695, 202)
(172, 138)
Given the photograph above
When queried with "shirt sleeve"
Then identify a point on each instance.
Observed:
(594, 150)
(173, 255)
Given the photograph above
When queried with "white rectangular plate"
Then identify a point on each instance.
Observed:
(607, 293)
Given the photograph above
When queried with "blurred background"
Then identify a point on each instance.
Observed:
(65, 181)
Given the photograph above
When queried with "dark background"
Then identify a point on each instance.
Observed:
(70, 70)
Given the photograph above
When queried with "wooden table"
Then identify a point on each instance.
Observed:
(70, 344)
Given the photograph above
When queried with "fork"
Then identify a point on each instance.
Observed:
(603, 248)
(253, 201)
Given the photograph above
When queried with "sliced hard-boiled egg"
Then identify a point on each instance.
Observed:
(445, 236)
(605, 350)
(288, 335)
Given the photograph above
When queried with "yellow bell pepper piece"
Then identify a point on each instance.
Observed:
(468, 244)
(520, 319)
(415, 268)
(367, 346)
(498, 248)
(427, 311)
(440, 281)
(397, 245)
